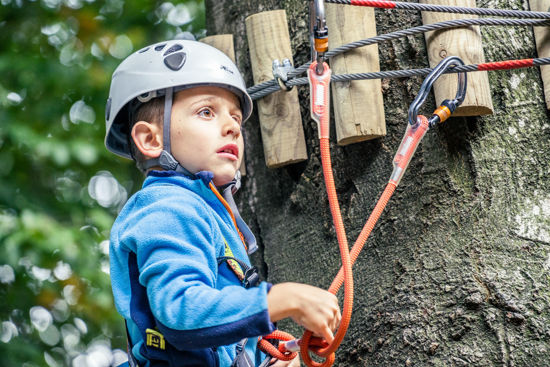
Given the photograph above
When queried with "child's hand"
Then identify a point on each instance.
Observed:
(311, 307)
(293, 363)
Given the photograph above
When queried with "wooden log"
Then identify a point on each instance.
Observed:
(280, 118)
(224, 43)
(542, 38)
(358, 105)
(465, 43)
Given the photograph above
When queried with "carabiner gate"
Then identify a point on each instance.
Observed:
(447, 106)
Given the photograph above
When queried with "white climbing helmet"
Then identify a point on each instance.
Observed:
(162, 69)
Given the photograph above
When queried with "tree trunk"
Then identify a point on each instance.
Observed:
(455, 272)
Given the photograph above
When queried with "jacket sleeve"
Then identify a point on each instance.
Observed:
(176, 257)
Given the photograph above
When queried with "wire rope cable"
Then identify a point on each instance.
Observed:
(271, 86)
(391, 74)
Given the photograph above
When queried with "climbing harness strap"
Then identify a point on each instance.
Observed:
(248, 275)
(247, 235)
(228, 208)
(132, 362)
(241, 358)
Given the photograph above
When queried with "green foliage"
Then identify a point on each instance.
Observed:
(59, 187)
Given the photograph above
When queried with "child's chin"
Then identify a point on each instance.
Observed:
(223, 180)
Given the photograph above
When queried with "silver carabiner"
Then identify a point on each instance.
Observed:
(444, 65)
(318, 33)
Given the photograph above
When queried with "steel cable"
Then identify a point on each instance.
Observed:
(499, 65)
(271, 86)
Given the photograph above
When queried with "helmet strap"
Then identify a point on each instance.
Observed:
(168, 97)
(166, 160)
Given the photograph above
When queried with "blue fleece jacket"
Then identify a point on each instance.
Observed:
(166, 278)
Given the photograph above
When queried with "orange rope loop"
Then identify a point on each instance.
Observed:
(280, 353)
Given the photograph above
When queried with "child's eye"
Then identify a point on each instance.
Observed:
(238, 119)
(205, 112)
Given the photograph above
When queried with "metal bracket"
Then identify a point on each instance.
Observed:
(280, 72)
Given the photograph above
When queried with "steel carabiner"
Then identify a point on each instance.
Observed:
(447, 106)
(318, 33)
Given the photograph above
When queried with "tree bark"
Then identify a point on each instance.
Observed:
(456, 271)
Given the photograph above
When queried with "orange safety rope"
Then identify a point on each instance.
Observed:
(366, 231)
(402, 158)
(328, 352)
(405, 152)
(401, 161)
(281, 352)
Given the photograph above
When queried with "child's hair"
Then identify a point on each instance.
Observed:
(151, 111)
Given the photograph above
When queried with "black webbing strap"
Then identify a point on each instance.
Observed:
(131, 359)
(242, 359)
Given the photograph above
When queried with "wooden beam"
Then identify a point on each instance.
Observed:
(465, 43)
(542, 38)
(358, 105)
(224, 43)
(280, 118)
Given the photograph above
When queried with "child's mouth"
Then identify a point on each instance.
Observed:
(230, 151)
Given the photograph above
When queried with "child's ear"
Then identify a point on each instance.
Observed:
(148, 138)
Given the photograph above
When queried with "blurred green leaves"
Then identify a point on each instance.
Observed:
(60, 189)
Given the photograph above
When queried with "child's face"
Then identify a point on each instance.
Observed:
(206, 132)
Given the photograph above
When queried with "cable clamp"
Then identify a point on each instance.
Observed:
(281, 71)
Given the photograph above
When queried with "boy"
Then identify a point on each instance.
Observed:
(180, 271)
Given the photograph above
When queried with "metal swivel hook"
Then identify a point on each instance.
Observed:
(447, 106)
(318, 33)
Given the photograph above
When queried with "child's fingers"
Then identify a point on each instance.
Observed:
(327, 334)
(336, 320)
(293, 363)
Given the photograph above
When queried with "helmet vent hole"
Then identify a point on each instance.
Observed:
(175, 60)
(143, 50)
(173, 49)
(160, 47)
